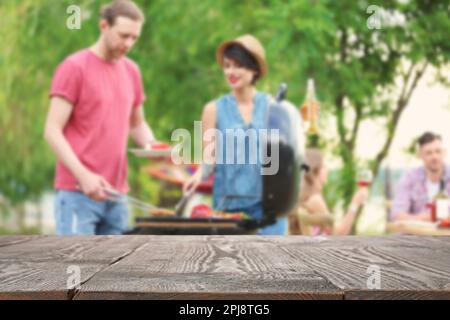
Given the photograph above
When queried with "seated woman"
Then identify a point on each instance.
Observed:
(312, 217)
(237, 186)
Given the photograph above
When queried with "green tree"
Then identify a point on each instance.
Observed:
(398, 51)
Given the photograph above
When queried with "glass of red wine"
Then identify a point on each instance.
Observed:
(365, 178)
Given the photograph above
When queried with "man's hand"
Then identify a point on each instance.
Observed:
(94, 185)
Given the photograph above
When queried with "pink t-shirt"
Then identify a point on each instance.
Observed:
(103, 95)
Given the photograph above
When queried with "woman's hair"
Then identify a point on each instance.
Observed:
(310, 181)
(244, 58)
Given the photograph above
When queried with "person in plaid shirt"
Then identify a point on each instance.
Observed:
(418, 186)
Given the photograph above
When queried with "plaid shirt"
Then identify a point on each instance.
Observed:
(411, 194)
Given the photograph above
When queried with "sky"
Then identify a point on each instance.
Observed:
(428, 110)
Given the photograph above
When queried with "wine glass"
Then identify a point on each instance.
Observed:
(365, 178)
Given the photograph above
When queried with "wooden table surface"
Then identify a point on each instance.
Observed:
(224, 267)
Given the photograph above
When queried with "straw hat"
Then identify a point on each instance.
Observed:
(252, 45)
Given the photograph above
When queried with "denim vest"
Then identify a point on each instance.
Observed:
(238, 185)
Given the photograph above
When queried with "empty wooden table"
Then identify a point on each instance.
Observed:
(224, 267)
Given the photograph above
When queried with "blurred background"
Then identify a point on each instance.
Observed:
(381, 72)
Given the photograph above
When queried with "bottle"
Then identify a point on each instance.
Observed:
(442, 203)
(310, 108)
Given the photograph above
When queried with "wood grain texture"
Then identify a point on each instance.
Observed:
(10, 240)
(410, 266)
(214, 267)
(38, 269)
(225, 267)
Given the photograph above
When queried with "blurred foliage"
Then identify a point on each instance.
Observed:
(353, 66)
(24, 231)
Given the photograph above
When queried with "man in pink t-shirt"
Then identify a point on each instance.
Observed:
(96, 104)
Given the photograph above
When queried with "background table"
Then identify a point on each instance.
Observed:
(414, 228)
(224, 267)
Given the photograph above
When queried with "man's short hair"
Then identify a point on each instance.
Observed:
(427, 137)
(121, 8)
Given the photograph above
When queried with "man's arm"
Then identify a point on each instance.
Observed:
(60, 110)
(208, 153)
(140, 131)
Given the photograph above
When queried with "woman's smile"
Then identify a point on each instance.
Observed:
(233, 79)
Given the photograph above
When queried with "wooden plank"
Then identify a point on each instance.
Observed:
(225, 267)
(38, 269)
(410, 266)
(209, 267)
(10, 240)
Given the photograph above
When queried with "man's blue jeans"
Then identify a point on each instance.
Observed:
(77, 214)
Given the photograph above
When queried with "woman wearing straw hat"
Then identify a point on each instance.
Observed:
(237, 186)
